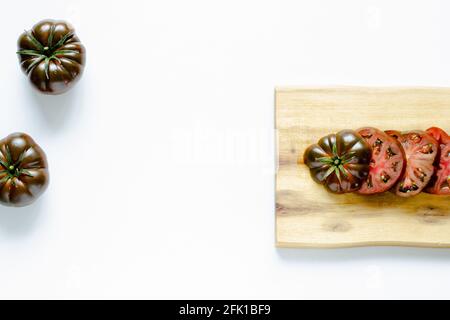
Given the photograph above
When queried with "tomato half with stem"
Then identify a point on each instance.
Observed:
(420, 150)
(339, 161)
(440, 183)
(387, 162)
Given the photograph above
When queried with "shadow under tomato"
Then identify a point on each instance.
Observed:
(20, 221)
(57, 110)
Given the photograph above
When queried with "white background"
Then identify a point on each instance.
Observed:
(162, 157)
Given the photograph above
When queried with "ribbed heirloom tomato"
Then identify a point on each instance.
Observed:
(420, 150)
(339, 161)
(440, 183)
(23, 170)
(52, 56)
(387, 163)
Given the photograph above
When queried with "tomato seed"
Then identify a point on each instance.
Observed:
(406, 189)
(377, 146)
(395, 166)
(390, 153)
(427, 149)
(385, 177)
(419, 173)
(416, 138)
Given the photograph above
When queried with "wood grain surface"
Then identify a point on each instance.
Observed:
(307, 215)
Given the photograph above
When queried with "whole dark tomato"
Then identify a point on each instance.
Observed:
(420, 150)
(440, 183)
(387, 163)
(339, 161)
(52, 56)
(23, 170)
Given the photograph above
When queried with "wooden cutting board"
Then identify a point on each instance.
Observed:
(307, 215)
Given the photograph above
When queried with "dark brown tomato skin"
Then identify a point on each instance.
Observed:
(52, 56)
(339, 161)
(440, 183)
(421, 150)
(387, 163)
(24, 172)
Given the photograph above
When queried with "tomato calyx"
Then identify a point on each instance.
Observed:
(13, 169)
(46, 53)
(336, 163)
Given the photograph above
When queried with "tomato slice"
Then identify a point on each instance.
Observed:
(387, 162)
(394, 133)
(440, 183)
(421, 150)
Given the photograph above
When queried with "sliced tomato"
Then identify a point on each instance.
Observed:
(387, 162)
(421, 150)
(440, 183)
(394, 133)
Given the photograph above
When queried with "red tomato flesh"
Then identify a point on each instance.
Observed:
(440, 183)
(420, 150)
(387, 162)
